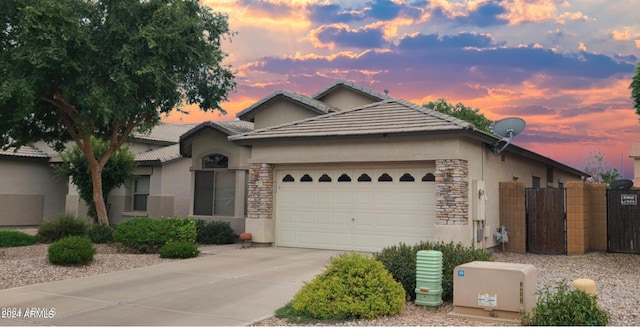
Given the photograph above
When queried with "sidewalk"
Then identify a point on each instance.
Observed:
(224, 286)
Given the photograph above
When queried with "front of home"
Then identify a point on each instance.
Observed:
(359, 170)
(347, 168)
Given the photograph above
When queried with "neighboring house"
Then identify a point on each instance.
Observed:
(635, 155)
(353, 169)
(28, 189)
(161, 187)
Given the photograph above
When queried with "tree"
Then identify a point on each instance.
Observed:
(117, 171)
(461, 112)
(610, 176)
(75, 69)
(635, 90)
(594, 166)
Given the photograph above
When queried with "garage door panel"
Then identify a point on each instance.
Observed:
(362, 216)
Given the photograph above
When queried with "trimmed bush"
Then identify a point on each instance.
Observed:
(181, 229)
(400, 260)
(16, 239)
(215, 232)
(141, 234)
(352, 287)
(147, 235)
(179, 249)
(62, 226)
(99, 233)
(565, 306)
(71, 250)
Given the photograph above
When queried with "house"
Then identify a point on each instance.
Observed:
(349, 168)
(30, 191)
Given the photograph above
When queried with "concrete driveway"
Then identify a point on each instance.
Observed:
(225, 287)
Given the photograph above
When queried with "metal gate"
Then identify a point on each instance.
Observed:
(546, 221)
(623, 221)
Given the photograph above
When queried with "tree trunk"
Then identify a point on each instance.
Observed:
(98, 198)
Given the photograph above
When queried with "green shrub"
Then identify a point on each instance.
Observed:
(400, 260)
(141, 234)
(352, 287)
(99, 233)
(181, 229)
(147, 235)
(179, 249)
(62, 226)
(16, 239)
(215, 232)
(71, 251)
(565, 307)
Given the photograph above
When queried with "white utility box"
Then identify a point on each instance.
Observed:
(493, 290)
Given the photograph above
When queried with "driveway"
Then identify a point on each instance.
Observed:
(223, 287)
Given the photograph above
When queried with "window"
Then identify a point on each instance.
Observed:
(549, 174)
(429, 177)
(141, 192)
(306, 178)
(344, 178)
(364, 178)
(324, 178)
(385, 178)
(215, 188)
(407, 178)
(535, 182)
(288, 178)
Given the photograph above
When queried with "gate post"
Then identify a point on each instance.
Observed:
(513, 215)
(577, 230)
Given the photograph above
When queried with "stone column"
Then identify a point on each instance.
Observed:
(260, 222)
(452, 192)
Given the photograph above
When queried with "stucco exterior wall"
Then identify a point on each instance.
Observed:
(29, 192)
(345, 99)
(280, 112)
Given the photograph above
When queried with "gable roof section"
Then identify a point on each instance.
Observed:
(226, 127)
(376, 96)
(391, 116)
(159, 156)
(164, 133)
(306, 101)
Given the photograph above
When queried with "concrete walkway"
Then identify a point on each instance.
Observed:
(224, 286)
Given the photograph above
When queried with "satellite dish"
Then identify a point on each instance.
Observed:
(507, 129)
(621, 185)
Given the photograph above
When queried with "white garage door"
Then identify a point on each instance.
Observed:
(354, 209)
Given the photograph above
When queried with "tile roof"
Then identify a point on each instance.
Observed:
(165, 133)
(379, 96)
(25, 151)
(385, 117)
(162, 155)
(313, 104)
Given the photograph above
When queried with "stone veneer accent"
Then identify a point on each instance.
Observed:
(452, 192)
(260, 191)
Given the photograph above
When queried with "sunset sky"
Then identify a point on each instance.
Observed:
(562, 66)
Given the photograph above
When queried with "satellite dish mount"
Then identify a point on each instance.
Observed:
(507, 129)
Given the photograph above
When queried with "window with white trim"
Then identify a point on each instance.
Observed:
(141, 187)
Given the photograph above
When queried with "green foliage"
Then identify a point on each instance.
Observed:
(181, 229)
(352, 287)
(75, 69)
(635, 89)
(461, 112)
(16, 239)
(71, 250)
(141, 234)
(117, 171)
(62, 226)
(99, 233)
(147, 235)
(179, 249)
(215, 232)
(565, 307)
(610, 176)
(400, 260)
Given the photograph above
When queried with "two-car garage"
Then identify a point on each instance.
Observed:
(354, 208)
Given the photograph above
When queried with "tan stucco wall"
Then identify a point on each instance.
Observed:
(345, 99)
(29, 193)
(634, 153)
(280, 112)
(485, 170)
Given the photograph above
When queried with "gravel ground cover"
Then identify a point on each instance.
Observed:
(616, 277)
